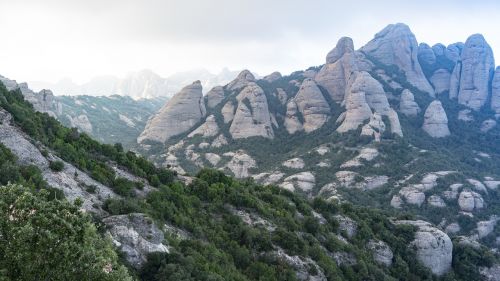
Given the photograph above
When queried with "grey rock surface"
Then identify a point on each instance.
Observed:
(436, 121)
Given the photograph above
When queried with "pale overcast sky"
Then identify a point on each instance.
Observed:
(52, 39)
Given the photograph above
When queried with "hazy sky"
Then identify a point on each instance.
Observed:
(52, 39)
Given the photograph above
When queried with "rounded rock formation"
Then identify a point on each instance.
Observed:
(436, 121)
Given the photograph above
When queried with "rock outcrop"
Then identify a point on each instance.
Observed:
(312, 107)
(426, 54)
(180, 114)
(495, 91)
(214, 96)
(382, 253)
(304, 182)
(396, 45)
(272, 77)
(357, 108)
(436, 121)
(407, 104)
(207, 129)
(252, 116)
(240, 164)
(241, 81)
(136, 236)
(476, 72)
(470, 201)
(335, 74)
(434, 247)
(440, 80)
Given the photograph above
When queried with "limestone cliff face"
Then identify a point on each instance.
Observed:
(252, 116)
(396, 45)
(310, 103)
(179, 115)
(476, 72)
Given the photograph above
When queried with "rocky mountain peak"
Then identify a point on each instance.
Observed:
(179, 114)
(475, 72)
(397, 45)
(241, 80)
(344, 45)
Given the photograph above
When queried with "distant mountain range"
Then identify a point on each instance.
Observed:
(141, 84)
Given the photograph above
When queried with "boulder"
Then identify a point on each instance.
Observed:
(440, 80)
(396, 45)
(215, 96)
(241, 81)
(485, 228)
(381, 252)
(434, 248)
(470, 201)
(252, 117)
(347, 225)
(136, 236)
(213, 158)
(488, 125)
(407, 104)
(412, 195)
(207, 129)
(294, 163)
(240, 164)
(436, 201)
(436, 121)
(495, 91)
(179, 115)
(477, 70)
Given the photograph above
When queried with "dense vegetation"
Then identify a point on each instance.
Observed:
(45, 239)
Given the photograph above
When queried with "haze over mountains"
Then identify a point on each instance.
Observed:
(138, 85)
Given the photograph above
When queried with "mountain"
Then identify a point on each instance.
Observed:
(359, 169)
(393, 125)
(144, 84)
(208, 227)
(109, 119)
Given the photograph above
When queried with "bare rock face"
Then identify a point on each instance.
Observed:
(396, 45)
(292, 122)
(470, 201)
(240, 164)
(207, 129)
(228, 112)
(252, 116)
(434, 247)
(304, 181)
(394, 121)
(214, 96)
(407, 104)
(180, 114)
(476, 72)
(311, 105)
(440, 80)
(273, 77)
(382, 253)
(335, 74)
(357, 112)
(81, 122)
(374, 92)
(241, 81)
(495, 92)
(136, 236)
(375, 128)
(435, 120)
(294, 163)
(344, 45)
(426, 54)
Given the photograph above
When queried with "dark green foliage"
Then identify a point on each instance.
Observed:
(45, 239)
(56, 166)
